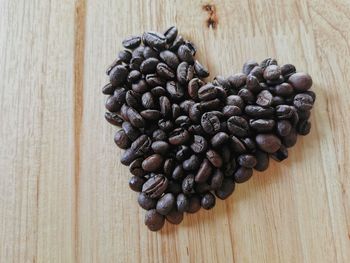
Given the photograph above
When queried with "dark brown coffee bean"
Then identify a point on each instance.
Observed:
(182, 202)
(141, 145)
(199, 144)
(118, 75)
(188, 184)
(155, 186)
(204, 172)
(210, 123)
(149, 66)
(149, 53)
(262, 125)
(154, 39)
(184, 73)
(148, 101)
(258, 111)
(114, 119)
(303, 127)
(230, 110)
(154, 80)
(170, 59)
(277, 100)
(238, 126)
(136, 183)
(170, 34)
(132, 99)
(185, 54)
(284, 90)
(159, 135)
(262, 159)
(208, 201)
(134, 76)
(272, 72)
(121, 139)
(249, 144)
(164, 71)
(191, 46)
(264, 98)
(135, 168)
(178, 172)
(165, 204)
(214, 158)
(165, 125)
(179, 136)
(287, 70)
(135, 63)
(108, 89)
(124, 56)
(248, 66)
(140, 87)
(153, 220)
(200, 70)
(247, 160)
(216, 179)
(152, 115)
(268, 142)
(281, 154)
(300, 81)
(194, 204)
(219, 139)
(247, 96)
(146, 202)
(291, 139)
(303, 102)
(182, 153)
(226, 189)
(135, 118)
(177, 42)
(257, 72)
(192, 163)
(283, 128)
(114, 63)
(210, 92)
(237, 80)
(132, 42)
(237, 146)
(193, 87)
(210, 105)
(160, 147)
(175, 110)
(132, 132)
(253, 84)
(174, 217)
(235, 101)
(267, 62)
(175, 90)
(195, 113)
(165, 106)
(112, 104)
(243, 174)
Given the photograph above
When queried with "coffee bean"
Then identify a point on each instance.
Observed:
(303, 102)
(264, 98)
(200, 70)
(184, 73)
(262, 125)
(132, 132)
(214, 158)
(165, 125)
(204, 172)
(175, 111)
(118, 75)
(188, 184)
(170, 59)
(112, 104)
(135, 168)
(141, 145)
(194, 204)
(183, 152)
(146, 202)
(193, 87)
(230, 110)
(238, 126)
(155, 186)
(246, 95)
(267, 62)
(149, 66)
(185, 54)
(199, 144)
(152, 163)
(248, 66)
(247, 160)
(154, 80)
(170, 34)
(284, 111)
(210, 105)
(174, 217)
(300, 81)
(262, 159)
(186, 105)
(121, 139)
(268, 142)
(208, 201)
(113, 118)
(164, 71)
(272, 72)
(179, 136)
(168, 167)
(159, 135)
(291, 139)
(210, 123)
(160, 147)
(175, 90)
(287, 70)
(149, 53)
(277, 100)
(154, 39)
(304, 127)
(257, 72)
(284, 90)
(283, 128)
(253, 84)
(192, 163)
(135, 118)
(125, 56)
(281, 154)
(136, 183)
(108, 89)
(237, 81)
(210, 92)
(249, 144)
(236, 145)
(226, 189)
(153, 220)
(132, 42)
(258, 111)
(114, 63)
(243, 174)
(165, 204)
(219, 139)
(182, 202)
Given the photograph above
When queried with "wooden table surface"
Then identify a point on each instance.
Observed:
(64, 197)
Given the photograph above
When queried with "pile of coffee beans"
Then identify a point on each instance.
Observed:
(187, 141)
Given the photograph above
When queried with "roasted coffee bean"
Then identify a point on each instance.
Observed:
(191, 46)
(247, 160)
(186, 105)
(170, 59)
(155, 186)
(174, 217)
(112, 104)
(184, 73)
(154, 39)
(262, 125)
(132, 42)
(140, 87)
(114, 63)
(303, 102)
(264, 98)
(267, 62)
(247, 96)
(153, 220)
(135, 118)
(147, 100)
(168, 168)
(121, 139)
(216, 179)
(236, 145)
(237, 81)
(132, 99)
(175, 90)
(226, 189)
(287, 70)
(230, 110)
(108, 89)
(283, 127)
(118, 75)
(248, 66)
(219, 139)
(170, 34)
(152, 163)
(149, 53)
(138, 52)
(238, 126)
(303, 127)
(192, 163)
(210, 92)
(193, 87)
(188, 184)
(182, 202)
(272, 72)
(277, 100)
(125, 56)
(257, 72)
(149, 65)
(258, 111)
(253, 84)
(268, 142)
(154, 80)
(281, 154)
(165, 125)
(214, 158)
(165, 204)
(208, 201)
(132, 132)
(185, 54)
(159, 135)
(284, 89)
(165, 106)
(200, 70)
(164, 71)
(204, 172)
(160, 147)
(151, 114)
(262, 159)
(141, 145)
(136, 183)
(291, 139)
(175, 111)
(182, 153)
(235, 100)
(210, 123)
(284, 111)
(312, 94)
(195, 113)
(194, 204)
(179, 136)
(300, 81)
(249, 144)
(196, 129)
(210, 105)
(199, 144)
(177, 42)
(243, 174)
(146, 202)
(114, 118)
(134, 76)
(135, 168)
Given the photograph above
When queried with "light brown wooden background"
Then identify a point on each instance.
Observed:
(63, 194)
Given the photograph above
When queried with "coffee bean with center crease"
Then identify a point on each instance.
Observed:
(246, 95)
(148, 101)
(184, 73)
(108, 89)
(149, 65)
(238, 126)
(214, 158)
(136, 182)
(154, 80)
(114, 118)
(132, 42)
(164, 71)
(165, 125)
(154, 39)
(253, 84)
(303, 102)
(262, 125)
(174, 217)
(125, 56)
(153, 220)
(132, 132)
(165, 204)
(230, 110)
(170, 59)
(283, 128)
(152, 163)
(272, 72)
(192, 163)
(118, 75)
(199, 144)
(204, 172)
(247, 160)
(236, 145)
(210, 92)
(258, 111)
(268, 142)
(210, 123)
(152, 115)
(267, 62)
(146, 202)
(141, 145)
(200, 70)
(185, 54)
(175, 90)
(284, 111)
(182, 153)
(135, 168)
(237, 81)
(193, 87)
(155, 186)
(170, 34)
(135, 118)
(179, 136)
(121, 139)
(160, 147)
(264, 98)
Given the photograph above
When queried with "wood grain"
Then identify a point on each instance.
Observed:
(63, 193)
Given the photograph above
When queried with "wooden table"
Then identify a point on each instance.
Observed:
(63, 194)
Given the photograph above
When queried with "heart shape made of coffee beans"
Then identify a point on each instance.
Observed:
(187, 140)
